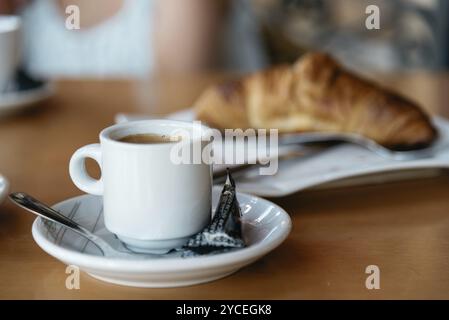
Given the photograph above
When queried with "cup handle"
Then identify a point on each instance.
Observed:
(78, 173)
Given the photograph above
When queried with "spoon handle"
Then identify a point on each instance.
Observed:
(28, 202)
(42, 210)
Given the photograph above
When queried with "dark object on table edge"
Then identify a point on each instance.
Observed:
(24, 81)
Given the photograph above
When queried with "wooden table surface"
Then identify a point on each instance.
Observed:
(402, 227)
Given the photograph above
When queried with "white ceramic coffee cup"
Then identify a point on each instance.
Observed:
(150, 203)
(9, 48)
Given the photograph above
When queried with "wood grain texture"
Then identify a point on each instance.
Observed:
(402, 227)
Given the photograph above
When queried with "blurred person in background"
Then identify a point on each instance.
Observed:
(132, 38)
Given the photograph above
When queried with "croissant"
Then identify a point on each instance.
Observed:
(316, 94)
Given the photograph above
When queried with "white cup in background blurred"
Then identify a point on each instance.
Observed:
(9, 48)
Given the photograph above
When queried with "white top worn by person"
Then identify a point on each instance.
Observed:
(140, 37)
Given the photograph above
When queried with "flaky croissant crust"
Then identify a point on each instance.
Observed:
(316, 94)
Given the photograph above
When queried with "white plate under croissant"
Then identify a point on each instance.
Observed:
(334, 165)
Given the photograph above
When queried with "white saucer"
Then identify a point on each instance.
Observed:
(4, 188)
(265, 226)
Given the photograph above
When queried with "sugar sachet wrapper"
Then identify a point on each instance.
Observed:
(225, 230)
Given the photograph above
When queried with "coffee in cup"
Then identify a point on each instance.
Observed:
(148, 138)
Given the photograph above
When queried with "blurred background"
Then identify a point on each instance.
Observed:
(135, 38)
(412, 34)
